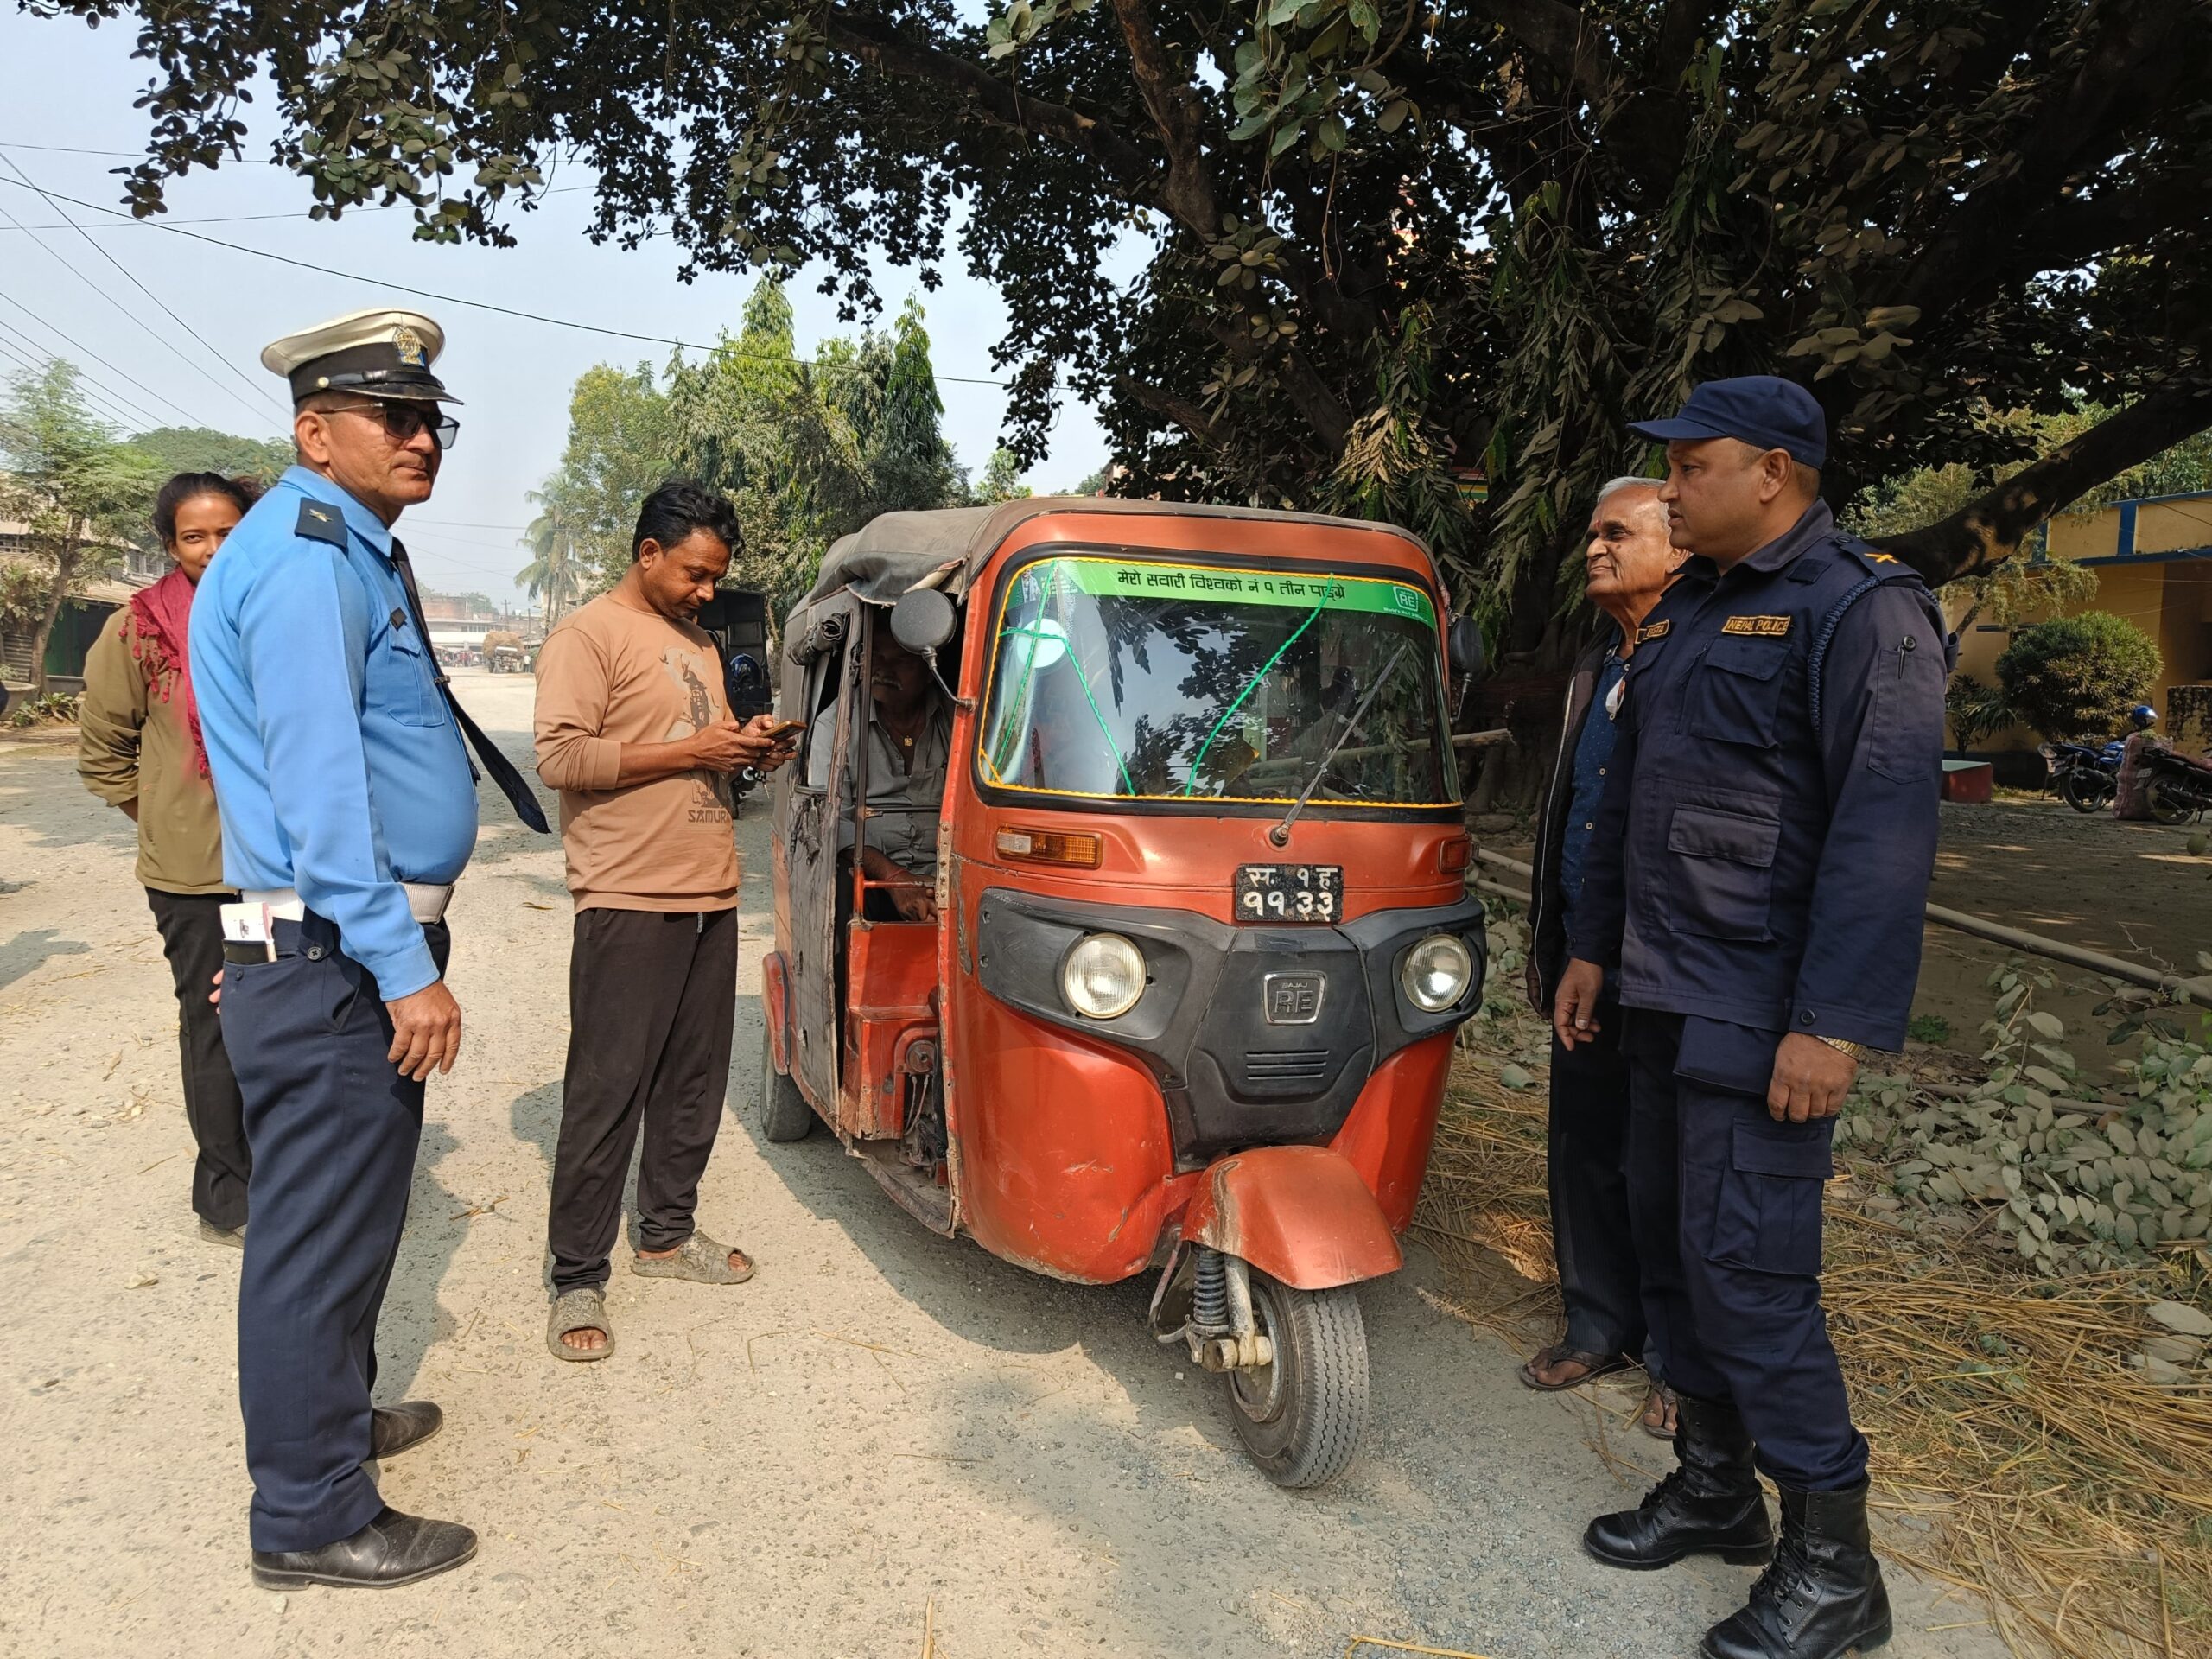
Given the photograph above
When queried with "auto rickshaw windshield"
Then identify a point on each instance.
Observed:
(1135, 679)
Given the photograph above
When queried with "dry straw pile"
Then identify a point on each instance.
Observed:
(2021, 1448)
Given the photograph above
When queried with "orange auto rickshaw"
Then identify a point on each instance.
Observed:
(1201, 936)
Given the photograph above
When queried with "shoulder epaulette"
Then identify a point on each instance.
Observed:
(1886, 566)
(323, 522)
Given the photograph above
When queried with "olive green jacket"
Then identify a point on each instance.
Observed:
(133, 746)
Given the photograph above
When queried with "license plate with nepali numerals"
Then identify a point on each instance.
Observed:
(1289, 893)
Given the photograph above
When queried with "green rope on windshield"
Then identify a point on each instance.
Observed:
(1252, 683)
(1122, 766)
(1029, 670)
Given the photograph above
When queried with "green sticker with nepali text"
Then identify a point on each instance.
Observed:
(1134, 579)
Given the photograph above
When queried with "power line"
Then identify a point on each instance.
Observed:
(98, 397)
(195, 419)
(464, 524)
(479, 305)
(199, 339)
(127, 155)
(96, 358)
(26, 352)
(128, 223)
(219, 219)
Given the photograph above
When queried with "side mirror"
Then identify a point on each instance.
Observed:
(1463, 647)
(922, 621)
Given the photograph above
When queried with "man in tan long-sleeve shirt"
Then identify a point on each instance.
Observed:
(634, 730)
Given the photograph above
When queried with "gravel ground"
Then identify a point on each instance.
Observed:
(881, 1423)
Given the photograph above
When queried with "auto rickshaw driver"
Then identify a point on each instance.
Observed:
(910, 743)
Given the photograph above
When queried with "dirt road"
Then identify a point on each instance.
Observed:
(880, 1422)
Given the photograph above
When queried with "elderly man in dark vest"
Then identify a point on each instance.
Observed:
(1628, 562)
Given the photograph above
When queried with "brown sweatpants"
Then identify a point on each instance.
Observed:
(652, 996)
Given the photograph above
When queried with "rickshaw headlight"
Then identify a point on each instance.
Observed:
(1104, 976)
(1437, 972)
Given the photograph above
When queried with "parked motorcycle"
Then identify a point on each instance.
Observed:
(2087, 776)
(2082, 775)
(2180, 785)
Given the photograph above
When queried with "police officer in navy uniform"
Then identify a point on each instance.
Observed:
(1756, 886)
(348, 809)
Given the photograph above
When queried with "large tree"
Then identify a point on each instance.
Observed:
(1379, 240)
(74, 488)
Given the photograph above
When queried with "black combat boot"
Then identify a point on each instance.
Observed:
(1823, 1595)
(1710, 1505)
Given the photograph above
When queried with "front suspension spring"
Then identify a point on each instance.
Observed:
(1209, 1292)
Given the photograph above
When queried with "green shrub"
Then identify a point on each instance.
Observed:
(2070, 677)
(1929, 1029)
(1976, 711)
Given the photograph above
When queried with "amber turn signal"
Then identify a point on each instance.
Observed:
(1049, 847)
(1455, 854)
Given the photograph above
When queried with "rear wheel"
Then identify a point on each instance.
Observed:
(2085, 792)
(2167, 803)
(785, 1114)
(1301, 1417)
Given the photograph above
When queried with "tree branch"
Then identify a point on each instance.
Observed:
(1558, 38)
(1169, 100)
(996, 103)
(2074, 229)
(1165, 404)
(2136, 65)
(1990, 529)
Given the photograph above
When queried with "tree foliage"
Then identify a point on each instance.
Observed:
(76, 489)
(1925, 209)
(556, 572)
(1001, 479)
(2072, 677)
(203, 449)
(806, 451)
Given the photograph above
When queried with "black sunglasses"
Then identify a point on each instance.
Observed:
(404, 419)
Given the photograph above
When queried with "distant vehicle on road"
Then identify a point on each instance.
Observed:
(503, 652)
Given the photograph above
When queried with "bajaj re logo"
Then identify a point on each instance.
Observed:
(1291, 999)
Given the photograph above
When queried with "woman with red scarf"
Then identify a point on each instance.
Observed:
(140, 750)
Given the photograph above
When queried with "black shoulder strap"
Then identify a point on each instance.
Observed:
(504, 772)
(323, 522)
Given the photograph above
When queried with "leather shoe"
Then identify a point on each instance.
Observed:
(394, 1428)
(392, 1549)
(1710, 1504)
(1822, 1598)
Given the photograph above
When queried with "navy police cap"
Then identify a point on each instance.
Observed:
(1763, 410)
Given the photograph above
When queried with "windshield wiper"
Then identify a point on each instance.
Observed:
(1280, 836)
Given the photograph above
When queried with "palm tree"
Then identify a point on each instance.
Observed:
(553, 572)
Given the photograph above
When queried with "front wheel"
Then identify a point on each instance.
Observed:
(1301, 1417)
(2167, 802)
(2085, 792)
(785, 1114)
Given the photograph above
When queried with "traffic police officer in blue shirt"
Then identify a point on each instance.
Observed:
(1756, 883)
(348, 809)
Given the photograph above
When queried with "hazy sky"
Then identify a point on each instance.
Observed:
(65, 87)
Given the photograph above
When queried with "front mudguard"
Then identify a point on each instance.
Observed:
(1301, 1215)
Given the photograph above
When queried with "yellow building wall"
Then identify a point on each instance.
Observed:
(2170, 602)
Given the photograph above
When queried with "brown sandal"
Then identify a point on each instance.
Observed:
(1594, 1366)
(1669, 1407)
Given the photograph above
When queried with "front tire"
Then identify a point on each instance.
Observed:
(1302, 1417)
(2084, 792)
(2167, 803)
(785, 1114)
